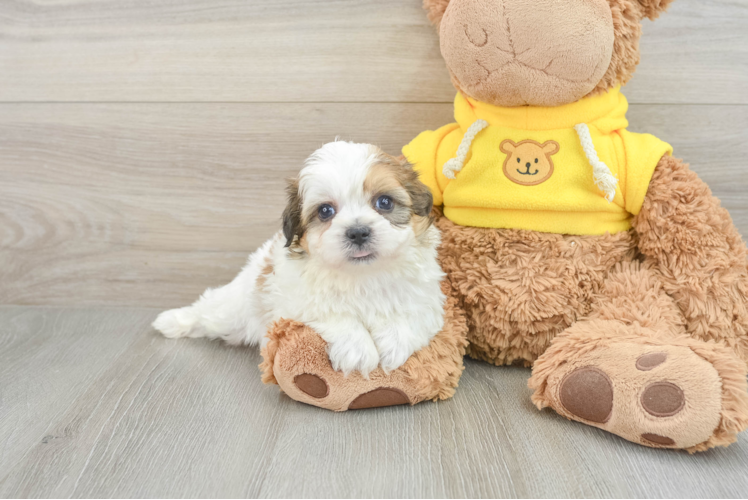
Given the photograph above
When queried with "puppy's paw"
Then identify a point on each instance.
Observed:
(353, 353)
(176, 323)
(395, 358)
(396, 343)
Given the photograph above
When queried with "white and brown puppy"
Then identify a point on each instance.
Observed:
(356, 261)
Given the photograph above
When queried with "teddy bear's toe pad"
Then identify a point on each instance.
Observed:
(587, 393)
(663, 399)
(312, 385)
(650, 361)
(384, 396)
(656, 439)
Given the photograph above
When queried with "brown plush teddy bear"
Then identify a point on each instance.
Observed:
(570, 244)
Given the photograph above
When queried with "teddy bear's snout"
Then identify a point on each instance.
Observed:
(515, 52)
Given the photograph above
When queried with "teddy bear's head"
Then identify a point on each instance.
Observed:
(540, 52)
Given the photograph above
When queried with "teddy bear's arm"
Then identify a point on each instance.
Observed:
(692, 241)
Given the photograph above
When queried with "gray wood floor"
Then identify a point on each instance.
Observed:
(95, 404)
(143, 151)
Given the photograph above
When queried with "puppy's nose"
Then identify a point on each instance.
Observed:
(528, 164)
(358, 234)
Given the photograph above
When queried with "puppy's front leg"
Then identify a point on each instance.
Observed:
(349, 345)
(396, 342)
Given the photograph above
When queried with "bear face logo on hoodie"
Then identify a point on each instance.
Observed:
(528, 162)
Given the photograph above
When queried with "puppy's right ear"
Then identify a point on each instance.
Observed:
(435, 10)
(292, 226)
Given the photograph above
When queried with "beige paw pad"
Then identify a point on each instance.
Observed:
(661, 396)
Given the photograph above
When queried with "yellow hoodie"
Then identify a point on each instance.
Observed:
(543, 169)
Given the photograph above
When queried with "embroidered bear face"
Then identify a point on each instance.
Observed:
(528, 162)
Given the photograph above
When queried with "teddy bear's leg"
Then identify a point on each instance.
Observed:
(295, 358)
(630, 368)
(692, 243)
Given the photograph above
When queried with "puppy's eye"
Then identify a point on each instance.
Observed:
(536, 160)
(518, 160)
(385, 203)
(326, 212)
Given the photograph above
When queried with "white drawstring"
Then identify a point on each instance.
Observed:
(603, 177)
(455, 164)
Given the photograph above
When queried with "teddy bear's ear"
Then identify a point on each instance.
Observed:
(551, 147)
(653, 8)
(435, 10)
(507, 146)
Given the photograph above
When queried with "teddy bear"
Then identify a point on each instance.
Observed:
(571, 245)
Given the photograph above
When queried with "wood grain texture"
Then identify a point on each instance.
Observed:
(149, 204)
(311, 51)
(95, 404)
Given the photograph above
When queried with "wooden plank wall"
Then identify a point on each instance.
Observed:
(144, 145)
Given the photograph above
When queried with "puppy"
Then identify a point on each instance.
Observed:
(356, 261)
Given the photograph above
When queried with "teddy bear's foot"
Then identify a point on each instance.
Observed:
(295, 358)
(659, 391)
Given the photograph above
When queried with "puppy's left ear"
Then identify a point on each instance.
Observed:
(420, 196)
(653, 8)
(292, 226)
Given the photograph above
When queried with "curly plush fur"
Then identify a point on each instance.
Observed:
(691, 240)
(522, 288)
